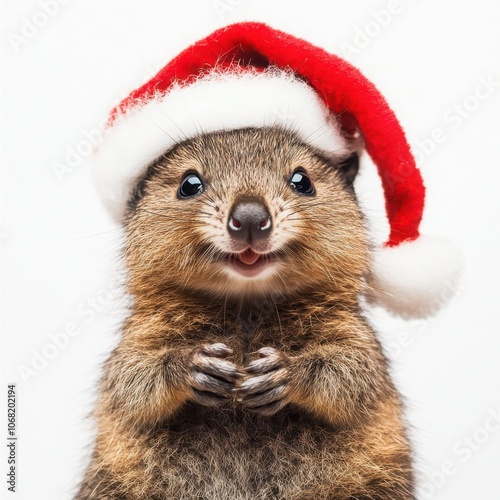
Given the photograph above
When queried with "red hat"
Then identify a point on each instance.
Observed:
(250, 75)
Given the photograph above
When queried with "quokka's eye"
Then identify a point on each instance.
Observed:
(191, 185)
(301, 183)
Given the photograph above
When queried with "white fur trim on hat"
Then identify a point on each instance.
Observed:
(416, 278)
(215, 102)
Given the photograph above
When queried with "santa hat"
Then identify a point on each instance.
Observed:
(250, 75)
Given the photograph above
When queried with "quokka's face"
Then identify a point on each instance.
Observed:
(246, 213)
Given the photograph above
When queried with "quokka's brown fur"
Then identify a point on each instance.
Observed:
(317, 417)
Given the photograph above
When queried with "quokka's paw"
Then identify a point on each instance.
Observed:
(211, 377)
(265, 387)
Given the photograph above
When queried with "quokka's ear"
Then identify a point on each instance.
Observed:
(348, 169)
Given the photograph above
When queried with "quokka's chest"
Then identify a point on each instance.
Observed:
(235, 429)
(249, 453)
(250, 331)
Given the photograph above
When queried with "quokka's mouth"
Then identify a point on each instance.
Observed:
(250, 263)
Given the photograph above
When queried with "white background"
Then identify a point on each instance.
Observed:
(60, 248)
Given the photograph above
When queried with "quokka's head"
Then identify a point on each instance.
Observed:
(249, 212)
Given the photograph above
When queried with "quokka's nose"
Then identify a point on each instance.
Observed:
(249, 221)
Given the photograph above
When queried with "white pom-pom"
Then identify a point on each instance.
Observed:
(416, 278)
